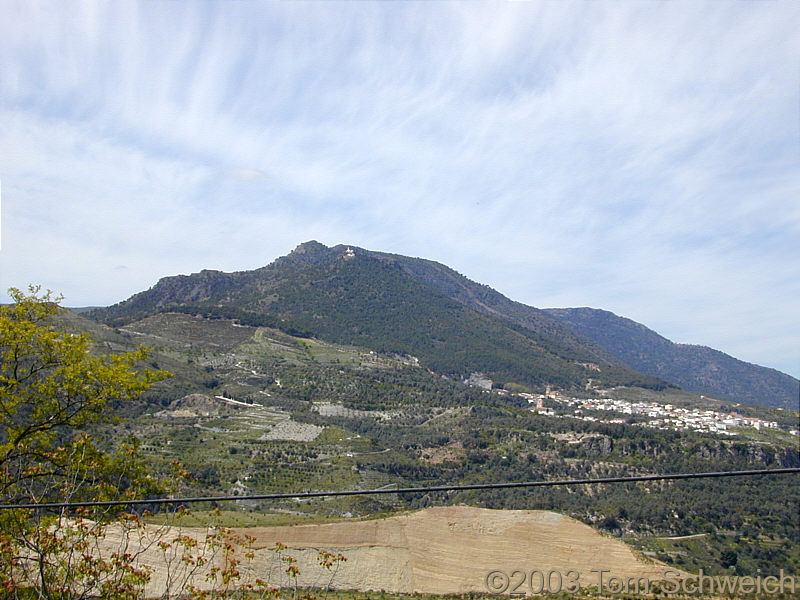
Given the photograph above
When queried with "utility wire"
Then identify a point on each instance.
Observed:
(409, 490)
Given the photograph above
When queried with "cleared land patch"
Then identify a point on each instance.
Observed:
(293, 431)
(443, 550)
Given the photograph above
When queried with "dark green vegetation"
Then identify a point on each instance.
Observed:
(697, 369)
(370, 300)
(312, 415)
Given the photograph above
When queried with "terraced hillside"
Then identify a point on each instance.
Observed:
(255, 410)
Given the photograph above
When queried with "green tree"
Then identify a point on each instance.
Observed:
(52, 387)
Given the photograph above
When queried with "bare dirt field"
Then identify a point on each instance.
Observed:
(445, 550)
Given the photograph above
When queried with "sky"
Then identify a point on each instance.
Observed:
(639, 157)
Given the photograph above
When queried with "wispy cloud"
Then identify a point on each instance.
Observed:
(637, 157)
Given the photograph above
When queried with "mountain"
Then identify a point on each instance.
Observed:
(390, 304)
(696, 369)
(455, 326)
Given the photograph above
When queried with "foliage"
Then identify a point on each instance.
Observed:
(52, 386)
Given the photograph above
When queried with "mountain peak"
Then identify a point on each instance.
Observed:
(309, 247)
(306, 254)
(313, 253)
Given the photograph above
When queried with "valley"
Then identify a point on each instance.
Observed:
(256, 410)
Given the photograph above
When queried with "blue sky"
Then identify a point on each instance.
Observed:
(641, 157)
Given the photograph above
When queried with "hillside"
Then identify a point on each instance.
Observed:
(696, 369)
(488, 301)
(361, 298)
(444, 550)
(256, 410)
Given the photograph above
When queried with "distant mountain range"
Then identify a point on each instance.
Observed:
(454, 326)
(698, 369)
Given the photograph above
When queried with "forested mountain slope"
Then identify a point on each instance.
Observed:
(696, 369)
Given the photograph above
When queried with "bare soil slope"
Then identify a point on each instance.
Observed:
(448, 550)
(444, 550)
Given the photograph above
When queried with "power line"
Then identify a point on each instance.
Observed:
(410, 490)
